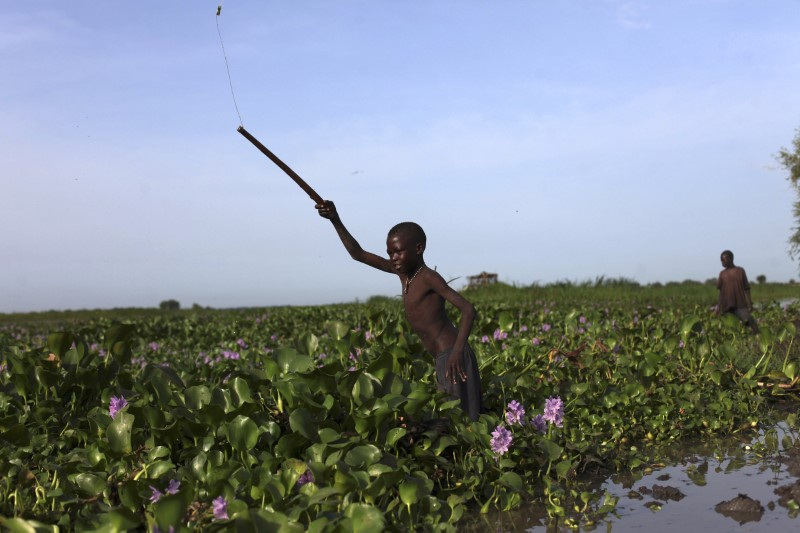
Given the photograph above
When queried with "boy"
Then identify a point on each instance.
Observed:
(734, 292)
(424, 295)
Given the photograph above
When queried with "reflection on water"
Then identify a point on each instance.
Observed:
(705, 474)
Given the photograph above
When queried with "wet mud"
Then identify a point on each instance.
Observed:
(710, 487)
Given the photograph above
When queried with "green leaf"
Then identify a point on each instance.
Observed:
(579, 388)
(366, 518)
(242, 433)
(337, 330)
(197, 396)
(170, 509)
(302, 421)
(563, 468)
(118, 432)
(362, 456)
(409, 492)
(121, 519)
(59, 342)
(159, 468)
(198, 466)
(242, 390)
(157, 453)
(327, 435)
(691, 323)
(394, 434)
(20, 525)
(90, 484)
(551, 449)
(512, 480)
(505, 321)
(289, 361)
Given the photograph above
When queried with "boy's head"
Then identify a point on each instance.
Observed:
(726, 257)
(411, 230)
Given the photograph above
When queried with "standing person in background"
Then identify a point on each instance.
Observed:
(734, 292)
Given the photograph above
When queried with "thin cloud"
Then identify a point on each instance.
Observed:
(18, 30)
(633, 15)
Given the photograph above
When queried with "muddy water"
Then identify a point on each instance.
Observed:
(693, 491)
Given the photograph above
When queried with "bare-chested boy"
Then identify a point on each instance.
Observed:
(424, 295)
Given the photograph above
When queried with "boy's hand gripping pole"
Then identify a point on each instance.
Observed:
(275, 159)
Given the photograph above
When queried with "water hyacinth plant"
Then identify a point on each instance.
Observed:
(116, 405)
(554, 411)
(280, 435)
(501, 440)
(515, 413)
(220, 508)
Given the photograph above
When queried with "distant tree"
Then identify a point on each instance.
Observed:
(169, 305)
(790, 160)
(761, 278)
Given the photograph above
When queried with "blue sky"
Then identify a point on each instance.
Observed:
(540, 140)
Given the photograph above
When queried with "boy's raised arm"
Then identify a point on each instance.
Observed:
(328, 210)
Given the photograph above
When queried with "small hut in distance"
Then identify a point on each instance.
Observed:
(481, 280)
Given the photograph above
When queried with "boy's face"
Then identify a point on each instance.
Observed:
(726, 260)
(403, 253)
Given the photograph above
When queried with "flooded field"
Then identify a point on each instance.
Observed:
(735, 485)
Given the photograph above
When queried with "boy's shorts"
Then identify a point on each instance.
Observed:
(468, 391)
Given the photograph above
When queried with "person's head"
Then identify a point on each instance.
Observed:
(405, 245)
(727, 258)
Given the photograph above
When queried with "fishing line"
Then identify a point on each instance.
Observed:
(275, 159)
(227, 66)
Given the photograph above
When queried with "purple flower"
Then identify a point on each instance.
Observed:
(554, 411)
(514, 412)
(523, 329)
(485, 339)
(368, 335)
(582, 319)
(539, 424)
(228, 354)
(273, 338)
(545, 327)
(115, 405)
(241, 343)
(535, 341)
(220, 507)
(501, 440)
(500, 335)
(581, 331)
(154, 346)
(157, 494)
(307, 477)
(681, 344)
(173, 487)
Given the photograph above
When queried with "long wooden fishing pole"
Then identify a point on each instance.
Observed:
(283, 166)
(275, 159)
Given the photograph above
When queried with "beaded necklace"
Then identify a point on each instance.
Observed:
(409, 280)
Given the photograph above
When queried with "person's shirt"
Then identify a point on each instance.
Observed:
(732, 284)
